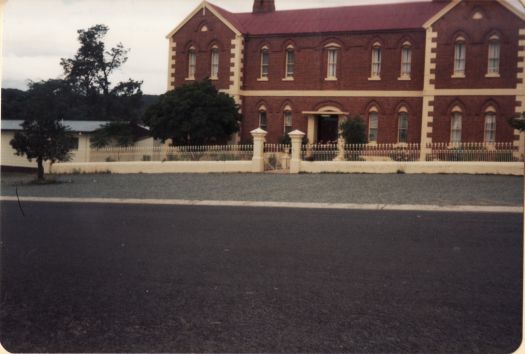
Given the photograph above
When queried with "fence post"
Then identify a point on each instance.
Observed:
(295, 163)
(258, 149)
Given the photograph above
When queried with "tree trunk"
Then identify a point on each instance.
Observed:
(40, 173)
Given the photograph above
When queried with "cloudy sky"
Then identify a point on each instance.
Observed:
(37, 33)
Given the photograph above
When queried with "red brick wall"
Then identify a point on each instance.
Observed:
(496, 19)
(354, 62)
(190, 34)
(388, 116)
(473, 117)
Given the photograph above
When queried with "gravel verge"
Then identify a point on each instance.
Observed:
(322, 188)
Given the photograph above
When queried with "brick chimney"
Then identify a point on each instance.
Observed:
(263, 6)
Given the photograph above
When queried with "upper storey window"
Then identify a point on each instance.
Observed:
(332, 50)
(290, 62)
(376, 61)
(214, 73)
(459, 57)
(406, 60)
(494, 56)
(192, 63)
(265, 62)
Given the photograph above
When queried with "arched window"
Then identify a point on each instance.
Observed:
(406, 60)
(402, 125)
(263, 118)
(376, 60)
(214, 73)
(290, 62)
(287, 118)
(373, 123)
(192, 63)
(490, 125)
(456, 124)
(332, 50)
(265, 62)
(459, 57)
(494, 56)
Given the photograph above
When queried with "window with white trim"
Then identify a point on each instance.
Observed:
(192, 63)
(373, 121)
(214, 63)
(490, 127)
(406, 60)
(376, 60)
(402, 126)
(455, 126)
(332, 63)
(265, 62)
(287, 117)
(290, 62)
(494, 55)
(459, 57)
(263, 119)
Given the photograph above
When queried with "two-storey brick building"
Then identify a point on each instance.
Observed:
(434, 71)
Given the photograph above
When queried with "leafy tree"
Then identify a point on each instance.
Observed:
(13, 103)
(96, 98)
(43, 137)
(518, 122)
(194, 114)
(353, 131)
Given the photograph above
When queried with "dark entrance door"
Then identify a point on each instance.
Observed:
(327, 128)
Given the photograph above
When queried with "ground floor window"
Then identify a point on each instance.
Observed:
(455, 127)
(372, 127)
(263, 120)
(287, 122)
(490, 127)
(402, 127)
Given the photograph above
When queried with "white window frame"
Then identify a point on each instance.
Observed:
(192, 63)
(489, 130)
(214, 71)
(373, 125)
(290, 63)
(406, 61)
(263, 119)
(402, 117)
(331, 70)
(494, 57)
(460, 57)
(456, 126)
(265, 63)
(375, 72)
(287, 120)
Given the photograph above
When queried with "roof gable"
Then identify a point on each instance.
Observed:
(454, 3)
(203, 6)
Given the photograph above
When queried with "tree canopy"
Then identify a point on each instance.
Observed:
(518, 122)
(89, 73)
(43, 137)
(353, 131)
(194, 114)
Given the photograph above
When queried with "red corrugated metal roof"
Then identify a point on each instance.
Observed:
(335, 19)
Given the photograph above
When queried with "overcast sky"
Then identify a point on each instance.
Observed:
(37, 33)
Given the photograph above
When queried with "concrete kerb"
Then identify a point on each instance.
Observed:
(264, 204)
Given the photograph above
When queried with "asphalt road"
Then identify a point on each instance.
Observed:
(114, 278)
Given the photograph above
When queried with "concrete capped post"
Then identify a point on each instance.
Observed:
(258, 149)
(295, 163)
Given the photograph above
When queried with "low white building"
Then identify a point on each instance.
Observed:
(82, 130)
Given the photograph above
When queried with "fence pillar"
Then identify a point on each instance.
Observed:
(258, 149)
(295, 163)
